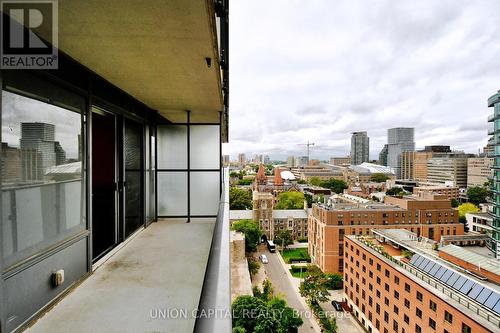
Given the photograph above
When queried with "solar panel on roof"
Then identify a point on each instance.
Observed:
(453, 278)
(414, 258)
(497, 308)
(423, 263)
(492, 300)
(460, 282)
(434, 269)
(475, 291)
(429, 266)
(468, 285)
(419, 260)
(483, 296)
(446, 275)
(440, 272)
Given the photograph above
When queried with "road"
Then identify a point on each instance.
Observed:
(277, 275)
(345, 321)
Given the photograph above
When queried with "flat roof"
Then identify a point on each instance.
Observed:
(491, 265)
(240, 214)
(285, 213)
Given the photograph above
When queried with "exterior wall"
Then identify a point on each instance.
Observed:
(407, 165)
(449, 192)
(370, 286)
(241, 283)
(341, 161)
(448, 169)
(478, 170)
(420, 165)
(494, 101)
(399, 139)
(263, 203)
(326, 228)
(360, 148)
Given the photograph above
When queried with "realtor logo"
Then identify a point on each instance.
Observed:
(29, 34)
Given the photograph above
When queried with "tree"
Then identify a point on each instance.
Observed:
(395, 191)
(246, 181)
(315, 181)
(238, 329)
(454, 203)
(283, 238)
(309, 199)
(234, 174)
(253, 265)
(467, 208)
(379, 177)
(301, 181)
(252, 233)
(260, 315)
(477, 194)
(334, 281)
(290, 200)
(240, 198)
(335, 185)
(267, 291)
(315, 285)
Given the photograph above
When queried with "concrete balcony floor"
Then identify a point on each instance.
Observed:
(158, 272)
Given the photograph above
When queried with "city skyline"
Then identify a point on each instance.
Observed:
(429, 67)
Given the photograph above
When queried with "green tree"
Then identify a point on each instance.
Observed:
(467, 208)
(335, 185)
(238, 329)
(252, 233)
(379, 177)
(334, 281)
(315, 181)
(315, 285)
(301, 181)
(284, 238)
(309, 199)
(454, 203)
(234, 174)
(267, 291)
(290, 200)
(395, 191)
(477, 194)
(253, 265)
(246, 181)
(240, 198)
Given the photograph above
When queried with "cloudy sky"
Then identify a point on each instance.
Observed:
(319, 70)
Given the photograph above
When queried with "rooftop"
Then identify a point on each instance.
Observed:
(240, 215)
(474, 258)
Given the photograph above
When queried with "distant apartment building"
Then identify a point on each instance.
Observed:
(267, 159)
(407, 165)
(428, 292)
(451, 192)
(399, 139)
(290, 161)
(479, 169)
(428, 216)
(242, 160)
(225, 160)
(360, 148)
(301, 161)
(382, 156)
(340, 161)
(494, 101)
(323, 173)
(450, 169)
(11, 163)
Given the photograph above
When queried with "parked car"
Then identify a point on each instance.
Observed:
(337, 306)
(264, 259)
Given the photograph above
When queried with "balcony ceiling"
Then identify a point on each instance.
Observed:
(154, 50)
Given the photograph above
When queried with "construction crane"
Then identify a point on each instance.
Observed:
(308, 144)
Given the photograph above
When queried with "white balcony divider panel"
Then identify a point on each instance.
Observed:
(188, 172)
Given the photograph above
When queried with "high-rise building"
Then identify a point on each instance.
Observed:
(382, 156)
(225, 160)
(267, 159)
(407, 164)
(242, 160)
(449, 169)
(494, 101)
(399, 139)
(360, 148)
(479, 169)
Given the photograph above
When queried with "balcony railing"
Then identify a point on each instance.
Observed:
(215, 302)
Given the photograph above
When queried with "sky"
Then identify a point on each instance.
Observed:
(318, 70)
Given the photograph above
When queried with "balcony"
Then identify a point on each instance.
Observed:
(158, 281)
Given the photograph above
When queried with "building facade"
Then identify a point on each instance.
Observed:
(449, 192)
(399, 139)
(494, 102)
(382, 156)
(390, 293)
(340, 161)
(360, 148)
(449, 169)
(429, 217)
(479, 170)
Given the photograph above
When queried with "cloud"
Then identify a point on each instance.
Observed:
(319, 70)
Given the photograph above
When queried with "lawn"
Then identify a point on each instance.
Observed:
(296, 255)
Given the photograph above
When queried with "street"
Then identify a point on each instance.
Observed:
(282, 286)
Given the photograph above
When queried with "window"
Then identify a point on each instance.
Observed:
(407, 287)
(407, 303)
(42, 178)
(406, 319)
(396, 294)
(377, 324)
(378, 267)
(378, 293)
(370, 261)
(432, 323)
(386, 317)
(448, 317)
(396, 309)
(432, 306)
(386, 301)
(419, 296)
(396, 279)
(377, 308)
(418, 329)
(386, 287)
(395, 325)
(378, 280)
(418, 312)
(466, 329)
(387, 273)
(370, 300)
(370, 274)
